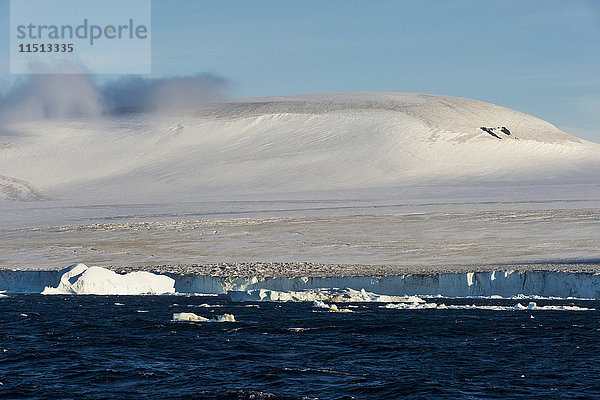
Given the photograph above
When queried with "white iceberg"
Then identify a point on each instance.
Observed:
(413, 306)
(320, 304)
(223, 318)
(330, 307)
(188, 317)
(191, 317)
(81, 279)
(332, 295)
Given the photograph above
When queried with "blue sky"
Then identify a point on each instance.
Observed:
(541, 57)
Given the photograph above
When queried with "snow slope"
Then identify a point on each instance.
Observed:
(265, 146)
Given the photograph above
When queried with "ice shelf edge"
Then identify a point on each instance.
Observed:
(501, 283)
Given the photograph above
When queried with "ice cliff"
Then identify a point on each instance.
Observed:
(79, 279)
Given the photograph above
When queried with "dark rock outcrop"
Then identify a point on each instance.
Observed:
(490, 131)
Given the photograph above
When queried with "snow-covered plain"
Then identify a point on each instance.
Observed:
(392, 185)
(423, 241)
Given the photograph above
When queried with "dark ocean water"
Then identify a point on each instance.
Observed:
(88, 347)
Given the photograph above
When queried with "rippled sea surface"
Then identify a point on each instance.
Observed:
(109, 347)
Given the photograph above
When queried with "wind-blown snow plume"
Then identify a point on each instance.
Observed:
(164, 95)
(42, 95)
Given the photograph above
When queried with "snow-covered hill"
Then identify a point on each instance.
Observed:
(274, 145)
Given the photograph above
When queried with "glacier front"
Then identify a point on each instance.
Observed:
(79, 279)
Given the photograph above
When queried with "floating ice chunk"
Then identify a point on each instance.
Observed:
(531, 306)
(332, 295)
(294, 329)
(330, 307)
(334, 308)
(319, 304)
(191, 317)
(412, 306)
(188, 317)
(79, 279)
(205, 305)
(521, 297)
(224, 318)
(516, 307)
(560, 308)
